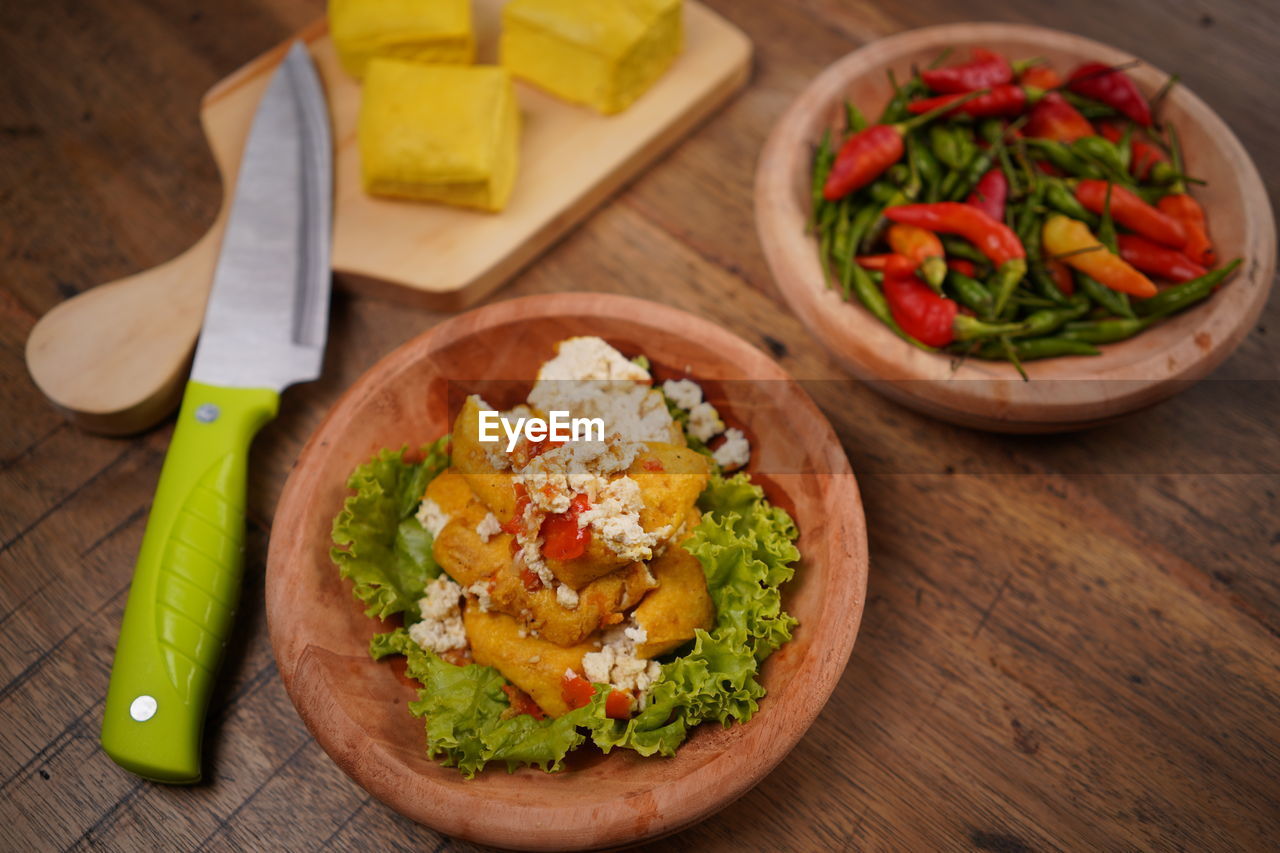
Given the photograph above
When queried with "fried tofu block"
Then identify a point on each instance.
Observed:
(450, 491)
(602, 53)
(436, 31)
(680, 605)
(463, 554)
(446, 133)
(600, 603)
(470, 456)
(536, 666)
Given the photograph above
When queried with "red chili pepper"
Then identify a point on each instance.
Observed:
(932, 319)
(1187, 211)
(990, 194)
(1006, 100)
(1054, 118)
(1040, 77)
(986, 69)
(1061, 275)
(1154, 259)
(890, 264)
(962, 266)
(922, 248)
(1112, 87)
(1132, 212)
(1143, 155)
(993, 238)
(563, 538)
(522, 500)
(869, 152)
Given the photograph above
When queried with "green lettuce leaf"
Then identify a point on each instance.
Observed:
(378, 543)
(465, 712)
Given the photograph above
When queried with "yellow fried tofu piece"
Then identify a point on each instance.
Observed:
(462, 552)
(446, 133)
(680, 605)
(535, 665)
(437, 31)
(600, 603)
(472, 459)
(602, 53)
(450, 491)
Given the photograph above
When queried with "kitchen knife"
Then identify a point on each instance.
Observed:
(264, 329)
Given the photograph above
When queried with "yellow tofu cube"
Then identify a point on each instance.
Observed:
(602, 53)
(418, 30)
(446, 133)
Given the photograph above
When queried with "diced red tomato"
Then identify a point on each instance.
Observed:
(522, 502)
(578, 692)
(563, 538)
(522, 703)
(617, 705)
(531, 581)
(652, 464)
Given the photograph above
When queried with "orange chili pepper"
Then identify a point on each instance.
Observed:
(1188, 212)
(923, 248)
(888, 264)
(1041, 77)
(1070, 240)
(1132, 212)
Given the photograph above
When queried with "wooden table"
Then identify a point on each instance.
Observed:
(1069, 641)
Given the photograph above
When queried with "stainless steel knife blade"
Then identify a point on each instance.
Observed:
(267, 316)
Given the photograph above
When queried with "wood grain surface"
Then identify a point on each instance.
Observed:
(1069, 642)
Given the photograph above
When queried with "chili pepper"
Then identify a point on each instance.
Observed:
(1113, 87)
(932, 319)
(952, 145)
(1132, 212)
(1188, 293)
(1088, 107)
(970, 292)
(1143, 156)
(1071, 241)
(1063, 280)
(896, 109)
(958, 248)
(990, 194)
(1154, 259)
(1006, 100)
(883, 191)
(891, 263)
(868, 153)
(1041, 77)
(1187, 211)
(1112, 302)
(1103, 153)
(821, 166)
(964, 180)
(1062, 157)
(1054, 118)
(1059, 197)
(1047, 320)
(899, 174)
(987, 68)
(926, 167)
(1105, 331)
(962, 266)
(854, 120)
(1030, 349)
(923, 248)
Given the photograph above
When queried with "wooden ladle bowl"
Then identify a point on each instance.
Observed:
(1064, 393)
(356, 708)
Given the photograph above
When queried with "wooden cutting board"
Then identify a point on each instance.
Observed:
(114, 358)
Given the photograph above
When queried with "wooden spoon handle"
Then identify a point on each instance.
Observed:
(114, 358)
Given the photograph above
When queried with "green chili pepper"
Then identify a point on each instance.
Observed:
(970, 292)
(1063, 157)
(957, 247)
(1105, 331)
(822, 160)
(1188, 293)
(1102, 152)
(854, 120)
(1088, 107)
(1115, 303)
(951, 145)
(1029, 349)
(899, 173)
(883, 191)
(1107, 226)
(926, 166)
(1061, 199)
(1047, 320)
(1027, 225)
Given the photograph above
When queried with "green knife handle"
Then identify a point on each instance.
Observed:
(185, 586)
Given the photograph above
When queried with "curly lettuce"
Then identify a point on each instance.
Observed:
(379, 545)
(746, 547)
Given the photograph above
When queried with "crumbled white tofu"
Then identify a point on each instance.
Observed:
(480, 590)
(615, 518)
(616, 663)
(432, 517)
(590, 379)
(488, 527)
(567, 597)
(581, 467)
(734, 452)
(685, 393)
(440, 629)
(704, 422)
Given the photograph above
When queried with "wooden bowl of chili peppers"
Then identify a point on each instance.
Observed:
(1014, 228)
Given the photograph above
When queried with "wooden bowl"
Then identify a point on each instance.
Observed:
(989, 395)
(356, 707)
